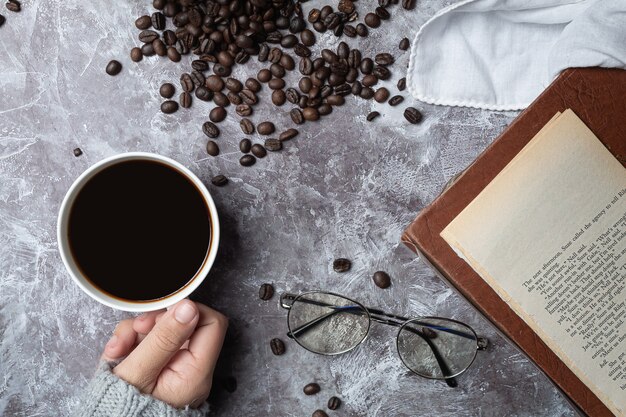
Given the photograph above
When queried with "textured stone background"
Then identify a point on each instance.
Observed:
(344, 187)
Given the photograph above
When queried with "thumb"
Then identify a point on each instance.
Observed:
(143, 365)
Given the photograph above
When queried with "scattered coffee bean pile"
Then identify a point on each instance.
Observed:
(224, 33)
(12, 6)
(333, 402)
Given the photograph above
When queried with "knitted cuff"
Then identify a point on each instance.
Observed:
(107, 395)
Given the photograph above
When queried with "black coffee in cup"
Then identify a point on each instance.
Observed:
(139, 230)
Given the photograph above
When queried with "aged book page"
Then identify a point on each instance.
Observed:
(549, 236)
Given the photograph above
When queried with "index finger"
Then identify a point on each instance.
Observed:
(206, 342)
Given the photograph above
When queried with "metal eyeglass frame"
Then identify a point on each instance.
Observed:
(287, 300)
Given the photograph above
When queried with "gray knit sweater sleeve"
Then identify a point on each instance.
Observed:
(109, 396)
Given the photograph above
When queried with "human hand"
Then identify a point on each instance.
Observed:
(170, 354)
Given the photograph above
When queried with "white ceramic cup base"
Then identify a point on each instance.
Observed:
(92, 290)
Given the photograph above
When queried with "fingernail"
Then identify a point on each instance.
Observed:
(112, 342)
(185, 313)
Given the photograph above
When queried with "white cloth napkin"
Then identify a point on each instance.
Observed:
(500, 54)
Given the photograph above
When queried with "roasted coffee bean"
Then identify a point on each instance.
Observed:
(253, 85)
(319, 26)
(354, 58)
(369, 80)
(326, 91)
(264, 52)
(266, 292)
(318, 63)
(402, 84)
(326, 10)
(352, 75)
(319, 413)
(341, 265)
(343, 50)
(180, 46)
(289, 41)
(167, 90)
(234, 85)
(221, 70)
(332, 20)
(356, 88)
(212, 148)
(384, 59)
(264, 75)
(185, 100)
(198, 78)
(367, 66)
(333, 403)
(381, 279)
(311, 389)
(277, 345)
(302, 51)
(273, 144)
(147, 36)
(219, 180)
(258, 150)
(275, 55)
(292, 95)
(325, 109)
(314, 16)
(404, 44)
(220, 99)
(171, 9)
(225, 58)
(408, 4)
(136, 55)
(217, 114)
(310, 114)
(372, 115)
(173, 54)
(305, 84)
(247, 160)
(335, 100)
(349, 31)
(243, 110)
(372, 20)
(169, 37)
(381, 72)
(339, 67)
(214, 83)
(296, 116)
(276, 83)
(169, 106)
(203, 93)
(248, 96)
(329, 56)
(383, 13)
(159, 47)
(277, 70)
(307, 37)
(199, 65)
(113, 67)
(265, 128)
(244, 41)
(361, 30)
(306, 66)
(297, 24)
(412, 115)
(287, 63)
(381, 95)
(343, 89)
(367, 93)
(245, 145)
(384, 3)
(210, 130)
(274, 37)
(288, 134)
(395, 100)
(77, 152)
(158, 20)
(186, 82)
(247, 126)
(345, 6)
(143, 22)
(278, 97)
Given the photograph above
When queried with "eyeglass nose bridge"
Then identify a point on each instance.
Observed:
(287, 299)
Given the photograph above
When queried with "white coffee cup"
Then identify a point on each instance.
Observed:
(95, 292)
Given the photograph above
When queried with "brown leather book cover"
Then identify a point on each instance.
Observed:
(598, 97)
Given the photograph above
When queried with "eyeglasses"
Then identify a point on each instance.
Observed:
(330, 324)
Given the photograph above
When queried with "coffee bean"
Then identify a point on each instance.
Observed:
(234, 98)
(14, 6)
(247, 126)
(247, 160)
(253, 85)
(333, 403)
(333, 20)
(263, 52)
(349, 31)
(277, 345)
(314, 16)
(264, 75)
(404, 44)
(372, 20)
(311, 389)
(354, 58)
(210, 129)
(234, 85)
(319, 26)
(341, 265)
(173, 54)
(169, 106)
(296, 116)
(412, 115)
(395, 100)
(219, 180)
(143, 22)
(266, 292)
(147, 36)
(136, 55)
(277, 70)
(220, 99)
(159, 47)
(305, 84)
(185, 100)
(287, 62)
(77, 152)
(258, 150)
(289, 41)
(225, 58)
(306, 66)
(381, 95)
(276, 83)
(384, 59)
(356, 88)
(369, 80)
(169, 37)
(278, 97)
(361, 30)
(186, 82)
(297, 25)
(288, 134)
(212, 148)
(367, 65)
(408, 4)
(381, 72)
(326, 10)
(292, 95)
(383, 13)
(272, 144)
(243, 110)
(221, 70)
(381, 279)
(198, 78)
(214, 83)
(335, 100)
(265, 128)
(325, 109)
(158, 20)
(372, 115)
(203, 93)
(307, 37)
(310, 113)
(340, 67)
(113, 67)
(275, 55)
(402, 84)
(329, 56)
(245, 145)
(319, 413)
(248, 96)
(367, 93)
(217, 114)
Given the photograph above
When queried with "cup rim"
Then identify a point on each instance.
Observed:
(98, 294)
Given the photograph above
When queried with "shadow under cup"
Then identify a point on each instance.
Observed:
(138, 232)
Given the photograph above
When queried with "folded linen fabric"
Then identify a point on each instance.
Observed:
(500, 54)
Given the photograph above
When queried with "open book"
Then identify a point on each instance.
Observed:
(549, 236)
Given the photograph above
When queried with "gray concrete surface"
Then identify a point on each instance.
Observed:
(344, 187)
